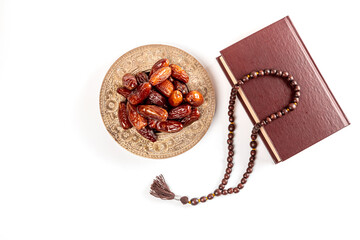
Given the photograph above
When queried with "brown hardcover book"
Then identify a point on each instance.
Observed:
(279, 46)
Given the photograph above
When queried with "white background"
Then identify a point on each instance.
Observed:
(62, 176)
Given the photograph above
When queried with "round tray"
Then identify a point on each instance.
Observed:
(168, 144)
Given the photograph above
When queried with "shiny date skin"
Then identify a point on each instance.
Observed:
(165, 88)
(175, 98)
(123, 91)
(180, 112)
(141, 77)
(140, 93)
(156, 98)
(160, 76)
(159, 64)
(194, 116)
(153, 112)
(152, 123)
(129, 81)
(148, 133)
(195, 98)
(181, 87)
(123, 116)
(135, 118)
(179, 73)
(169, 126)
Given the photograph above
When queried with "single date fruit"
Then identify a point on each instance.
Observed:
(156, 98)
(153, 112)
(159, 64)
(135, 118)
(180, 112)
(129, 81)
(169, 126)
(179, 73)
(152, 123)
(124, 91)
(140, 93)
(194, 116)
(141, 77)
(166, 88)
(148, 133)
(160, 75)
(175, 98)
(181, 87)
(123, 116)
(195, 98)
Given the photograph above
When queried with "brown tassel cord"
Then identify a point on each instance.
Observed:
(160, 189)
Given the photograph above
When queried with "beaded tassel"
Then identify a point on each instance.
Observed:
(160, 189)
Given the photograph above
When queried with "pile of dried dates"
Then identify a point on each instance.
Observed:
(158, 101)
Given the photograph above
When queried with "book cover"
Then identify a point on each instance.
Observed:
(280, 47)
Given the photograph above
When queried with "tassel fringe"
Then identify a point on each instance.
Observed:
(160, 189)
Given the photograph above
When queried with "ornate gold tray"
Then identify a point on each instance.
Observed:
(168, 144)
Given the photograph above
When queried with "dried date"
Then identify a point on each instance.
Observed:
(148, 133)
(169, 126)
(181, 87)
(160, 75)
(135, 118)
(152, 123)
(123, 91)
(157, 99)
(153, 112)
(180, 112)
(194, 116)
(159, 64)
(139, 94)
(195, 98)
(141, 77)
(175, 98)
(123, 116)
(179, 73)
(165, 88)
(129, 81)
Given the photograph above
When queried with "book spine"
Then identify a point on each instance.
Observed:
(267, 144)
